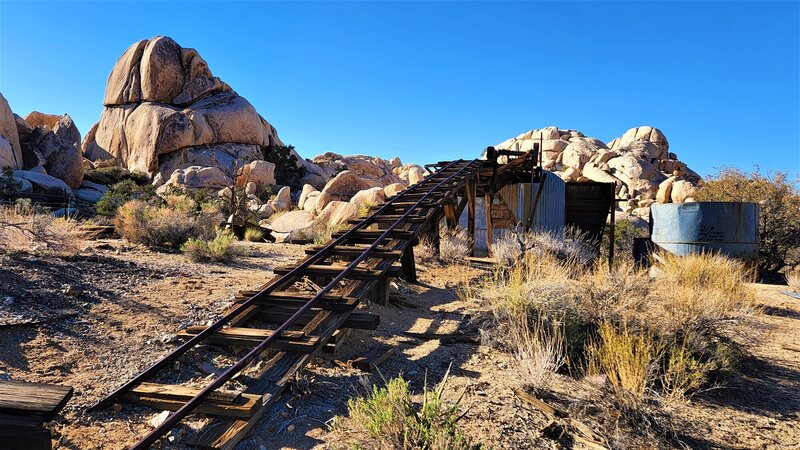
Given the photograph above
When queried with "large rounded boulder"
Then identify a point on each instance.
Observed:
(164, 111)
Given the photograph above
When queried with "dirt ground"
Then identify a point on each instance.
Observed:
(95, 320)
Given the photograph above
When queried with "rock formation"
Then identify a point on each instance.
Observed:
(43, 154)
(164, 111)
(639, 163)
(10, 151)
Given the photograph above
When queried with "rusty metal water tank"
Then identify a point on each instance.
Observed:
(729, 228)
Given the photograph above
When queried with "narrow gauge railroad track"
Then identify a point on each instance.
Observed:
(355, 264)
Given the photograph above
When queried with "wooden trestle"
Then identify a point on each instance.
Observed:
(284, 326)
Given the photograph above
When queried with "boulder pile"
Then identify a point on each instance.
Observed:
(639, 163)
(355, 184)
(43, 151)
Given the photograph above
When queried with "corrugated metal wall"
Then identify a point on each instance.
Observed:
(550, 211)
(588, 205)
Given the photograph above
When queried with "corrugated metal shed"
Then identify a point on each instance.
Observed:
(587, 208)
(549, 199)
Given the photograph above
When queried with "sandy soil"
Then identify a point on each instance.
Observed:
(133, 301)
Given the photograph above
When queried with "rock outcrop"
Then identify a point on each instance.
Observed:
(10, 150)
(164, 111)
(47, 146)
(639, 163)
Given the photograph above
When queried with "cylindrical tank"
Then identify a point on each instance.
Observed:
(729, 228)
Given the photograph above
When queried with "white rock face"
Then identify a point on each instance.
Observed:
(282, 201)
(369, 197)
(337, 213)
(293, 226)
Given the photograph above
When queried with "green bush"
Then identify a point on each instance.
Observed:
(221, 248)
(390, 419)
(8, 185)
(165, 224)
(286, 170)
(121, 192)
(109, 173)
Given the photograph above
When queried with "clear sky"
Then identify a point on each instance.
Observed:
(430, 81)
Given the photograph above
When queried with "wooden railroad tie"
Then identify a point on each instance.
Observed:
(171, 398)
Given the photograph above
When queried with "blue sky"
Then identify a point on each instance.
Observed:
(431, 81)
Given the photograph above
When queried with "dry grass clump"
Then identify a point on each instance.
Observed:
(539, 350)
(700, 291)
(626, 358)
(652, 340)
(253, 235)
(389, 419)
(511, 245)
(221, 248)
(454, 245)
(24, 228)
(793, 280)
(169, 224)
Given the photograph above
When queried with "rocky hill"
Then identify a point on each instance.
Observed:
(639, 162)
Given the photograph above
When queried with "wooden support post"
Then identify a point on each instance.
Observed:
(380, 293)
(450, 215)
(612, 233)
(488, 200)
(470, 194)
(409, 265)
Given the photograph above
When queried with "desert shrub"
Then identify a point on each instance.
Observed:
(779, 226)
(627, 359)
(221, 247)
(652, 338)
(684, 373)
(425, 252)
(390, 419)
(510, 245)
(538, 349)
(254, 235)
(287, 171)
(8, 185)
(121, 192)
(454, 245)
(109, 172)
(793, 279)
(698, 291)
(24, 228)
(167, 224)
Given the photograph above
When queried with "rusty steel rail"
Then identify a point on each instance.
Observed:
(417, 197)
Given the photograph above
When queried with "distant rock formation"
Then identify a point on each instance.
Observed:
(639, 163)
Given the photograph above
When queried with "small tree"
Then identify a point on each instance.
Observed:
(8, 185)
(779, 226)
(286, 170)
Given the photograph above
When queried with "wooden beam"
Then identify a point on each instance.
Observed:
(245, 337)
(489, 198)
(450, 215)
(409, 265)
(372, 359)
(470, 195)
(170, 398)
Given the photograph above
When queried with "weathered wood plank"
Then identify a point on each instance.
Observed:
(38, 399)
